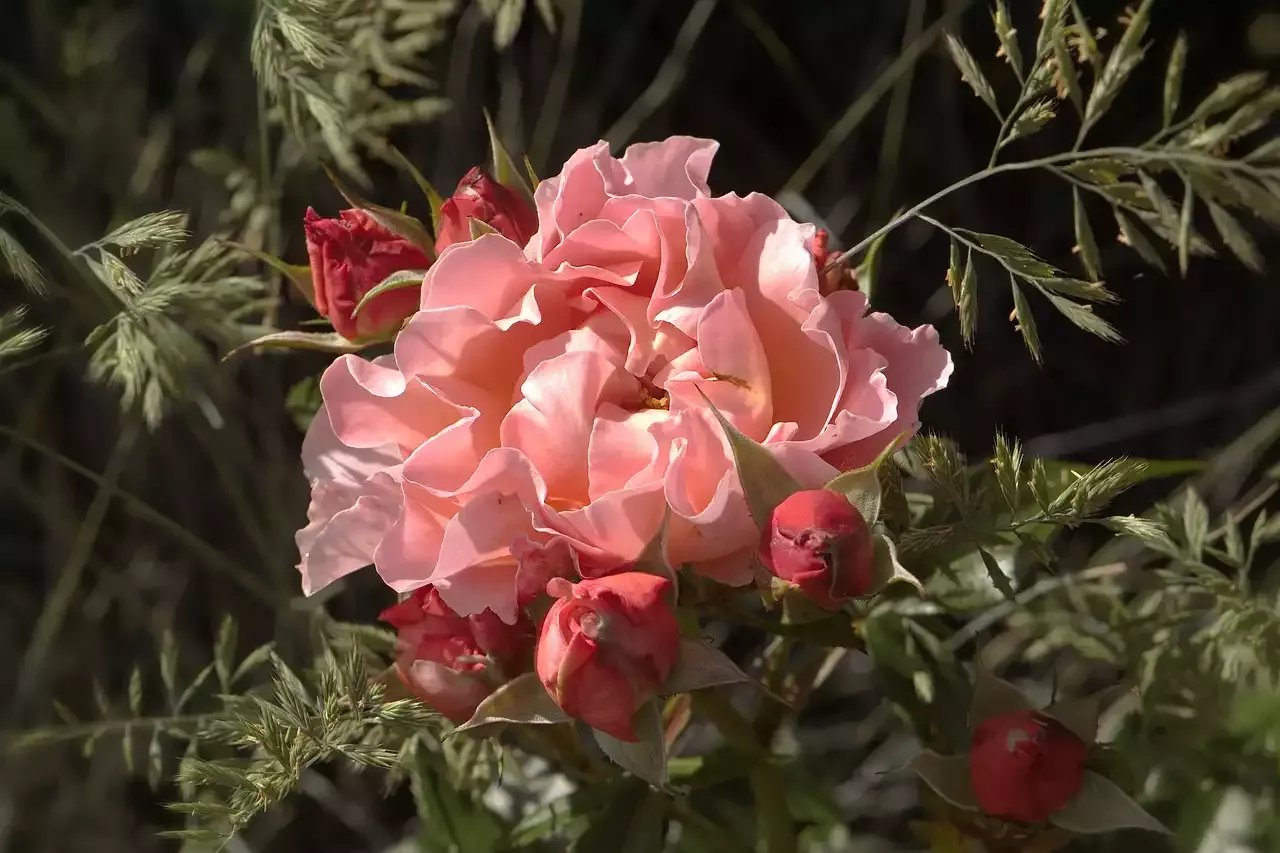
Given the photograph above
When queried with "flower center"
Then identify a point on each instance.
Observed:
(591, 624)
(651, 396)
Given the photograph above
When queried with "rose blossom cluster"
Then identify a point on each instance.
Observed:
(547, 411)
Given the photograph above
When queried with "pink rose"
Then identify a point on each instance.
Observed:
(350, 256)
(554, 391)
(480, 197)
(453, 662)
(1025, 766)
(819, 542)
(606, 647)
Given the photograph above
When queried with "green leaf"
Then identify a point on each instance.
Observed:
(1083, 317)
(1101, 806)
(398, 280)
(948, 776)
(252, 661)
(1074, 288)
(1086, 245)
(700, 665)
(135, 692)
(1169, 216)
(862, 489)
(647, 757)
(653, 559)
(1184, 227)
(507, 18)
(1173, 78)
(631, 820)
(994, 696)
(320, 341)
(1236, 238)
(1123, 60)
(1080, 715)
(479, 228)
(885, 568)
(1229, 94)
(394, 221)
(303, 400)
(1067, 72)
(967, 307)
(765, 483)
(1007, 463)
(522, 700)
(1008, 37)
(1195, 523)
(20, 263)
(169, 664)
(224, 651)
(1032, 119)
(1100, 171)
(998, 578)
(1147, 530)
(955, 272)
(1052, 15)
(1266, 151)
(1017, 256)
(155, 760)
(504, 168)
(149, 231)
(122, 281)
(865, 273)
(534, 180)
(970, 72)
(189, 693)
(1026, 321)
(299, 275)
(195, 836)
(434, 199)
(1132, 236)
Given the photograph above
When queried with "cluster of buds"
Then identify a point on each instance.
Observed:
(354, 253)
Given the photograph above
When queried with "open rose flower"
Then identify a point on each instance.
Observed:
(350, 256)
(1025, 766)
(819, 542)
(453, 662)
(606, 647)
(482, 198)
(555, 390)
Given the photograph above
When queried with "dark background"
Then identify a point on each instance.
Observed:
(102, 106)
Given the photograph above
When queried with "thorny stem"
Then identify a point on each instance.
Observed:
(1137, 155)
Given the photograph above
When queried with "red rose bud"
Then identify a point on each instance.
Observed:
(819, 542)
(606, 647)
(1025, 766)
(839, 277)
(479, 196)
(350, 256)
(448, 660)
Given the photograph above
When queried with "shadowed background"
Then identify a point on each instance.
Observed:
(112, 109)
